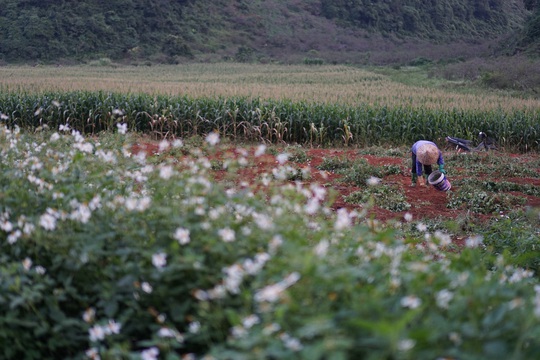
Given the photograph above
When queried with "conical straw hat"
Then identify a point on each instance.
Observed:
(427, 154)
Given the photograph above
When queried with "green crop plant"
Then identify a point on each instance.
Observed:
(360, 171)
(336, 105)
(385, 196)
(480, 198)
(347, 134)
(335, 163)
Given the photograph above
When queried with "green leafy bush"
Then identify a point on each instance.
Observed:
(108, 253)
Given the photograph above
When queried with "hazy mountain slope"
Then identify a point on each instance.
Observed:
(359, 31)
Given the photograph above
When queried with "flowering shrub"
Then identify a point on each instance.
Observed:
(106, 254)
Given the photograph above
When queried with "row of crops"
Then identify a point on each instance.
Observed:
(256, 119)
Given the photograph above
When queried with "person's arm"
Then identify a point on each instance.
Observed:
(413, 169)
(440, 161)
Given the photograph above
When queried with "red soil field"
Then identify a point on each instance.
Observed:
(426, 201)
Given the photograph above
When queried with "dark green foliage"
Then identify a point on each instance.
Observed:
(313, 61)
(116, 29)
(166, 30)
(427, 19)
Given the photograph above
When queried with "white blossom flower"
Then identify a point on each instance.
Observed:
(150, 354)
(238, 332)
(282, 158)
(122, 128)
(291, 343)
(411, 302)
(260, 150)
(84, 147)
(137, 204)
(408, 217)
(40, 270)
(27, 263)
(81, 214)
(112, 327)
(201, 295)
(93, 354)
(95, 203)
(182, 236)
(212, 138)
(249, 321)
(406, 344)
(443, 298)
(77, 136)
(319, 192)
(165, 172)
(421, 227)
(520, 274)
(272, 293)
(177, 143)
(194, 327)
(474, 241)
(118, 112)
(47, 221)
(264, 222)
(312, 206)
(64, 127)
(159, 260)
(444, 239)
(14, 236)
(271, 328)
(146, 287)
(54, 137)
(252, 267)
(96, 333)
(373, 180)
(322, 248)
(163, 145)
(343, 220)
(235, 274)
(166, 332)
(227, 234)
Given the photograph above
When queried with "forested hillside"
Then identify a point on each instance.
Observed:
(357, 31)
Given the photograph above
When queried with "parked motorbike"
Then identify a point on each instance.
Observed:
(485, 143)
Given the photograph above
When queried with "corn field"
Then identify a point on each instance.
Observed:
(325, 106)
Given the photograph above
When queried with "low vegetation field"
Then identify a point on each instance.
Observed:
(140, 224)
